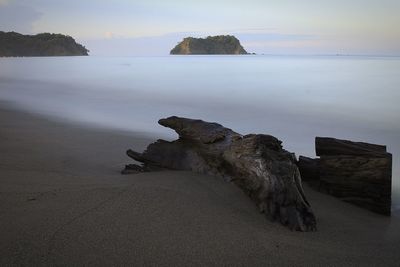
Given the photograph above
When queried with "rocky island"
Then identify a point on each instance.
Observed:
(13, 44)
(212, 45)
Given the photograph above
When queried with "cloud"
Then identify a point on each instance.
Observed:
(15, 17)
(112, 45)
(109, 35)
(273, 37)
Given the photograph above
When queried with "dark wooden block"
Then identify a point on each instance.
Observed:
(355, 172)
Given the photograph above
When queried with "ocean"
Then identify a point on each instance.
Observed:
(294, 98)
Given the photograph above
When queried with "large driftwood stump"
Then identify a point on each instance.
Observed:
(256, 163)
(355, 172)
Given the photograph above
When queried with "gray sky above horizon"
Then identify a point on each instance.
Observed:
(153, 27)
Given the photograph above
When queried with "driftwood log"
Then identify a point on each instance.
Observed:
(255, 162)
(355, 172)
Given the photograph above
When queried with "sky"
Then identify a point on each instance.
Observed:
(153, 27)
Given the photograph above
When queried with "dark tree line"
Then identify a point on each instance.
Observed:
(13, 44)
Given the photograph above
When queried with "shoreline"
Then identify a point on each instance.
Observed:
(63, 201)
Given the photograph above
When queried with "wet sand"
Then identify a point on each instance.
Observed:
(64, 202)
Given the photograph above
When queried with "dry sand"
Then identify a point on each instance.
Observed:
(63, 202)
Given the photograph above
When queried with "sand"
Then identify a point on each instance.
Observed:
(64, 202)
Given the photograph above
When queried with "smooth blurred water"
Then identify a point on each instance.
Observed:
(294, 98)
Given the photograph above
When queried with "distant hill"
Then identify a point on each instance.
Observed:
(217, 45)
(14, 44)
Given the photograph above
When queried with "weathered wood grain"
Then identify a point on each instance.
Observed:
(256, 163)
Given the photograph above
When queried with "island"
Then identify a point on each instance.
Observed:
(212, 45)
(13, 44)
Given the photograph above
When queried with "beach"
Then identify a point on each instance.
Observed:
(64, 202)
